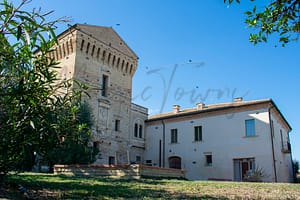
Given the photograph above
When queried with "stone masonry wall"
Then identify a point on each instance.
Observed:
(118, 171)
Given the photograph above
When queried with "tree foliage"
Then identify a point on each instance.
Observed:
(34, 112)
(279, 17)
(73, 148)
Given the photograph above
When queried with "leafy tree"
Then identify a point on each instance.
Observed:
(73, 149)
(279, 17)
(34, 112)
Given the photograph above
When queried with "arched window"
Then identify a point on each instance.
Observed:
(175, 162)
(138, 129)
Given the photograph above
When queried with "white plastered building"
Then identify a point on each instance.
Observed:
(222, 141)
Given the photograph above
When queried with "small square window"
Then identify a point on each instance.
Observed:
(111, 160)
(138, 159)
(96, 145)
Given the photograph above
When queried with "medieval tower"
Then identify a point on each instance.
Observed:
(98, 57)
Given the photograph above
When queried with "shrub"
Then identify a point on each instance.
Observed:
(255, 175)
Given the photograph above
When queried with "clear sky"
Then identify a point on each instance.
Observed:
(195, 50)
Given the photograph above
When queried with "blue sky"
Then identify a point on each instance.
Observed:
(195, 50)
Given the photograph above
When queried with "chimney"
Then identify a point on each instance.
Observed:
(200, 105)
(176, 109)
(238, 99)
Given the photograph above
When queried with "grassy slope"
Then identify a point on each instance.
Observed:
(42, 186)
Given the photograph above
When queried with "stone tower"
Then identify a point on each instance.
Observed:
(98, 57)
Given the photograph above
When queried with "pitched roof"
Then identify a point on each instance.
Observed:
(215, 108)
(106, 35)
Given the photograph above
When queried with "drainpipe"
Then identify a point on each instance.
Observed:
(272, 142)
(159, 164)
(164, 143)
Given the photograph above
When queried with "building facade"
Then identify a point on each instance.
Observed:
(99, 58)
(222, 141)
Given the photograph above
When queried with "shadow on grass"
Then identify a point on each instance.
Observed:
(66, 187)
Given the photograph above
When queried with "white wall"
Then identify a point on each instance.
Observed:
(283, 160)
(223, 137)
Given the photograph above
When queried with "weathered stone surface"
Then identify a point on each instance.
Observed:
(98, 57)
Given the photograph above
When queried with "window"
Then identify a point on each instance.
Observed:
(174, 136)
(281, 137)
(136, 130)
(96, 145)
(197, 133)
(140, 131)
(111, 160)
(149, 162)
(250, 127)
(208, 158)
(104, 85)
(117, 125)
(272, 128)
(138, 159)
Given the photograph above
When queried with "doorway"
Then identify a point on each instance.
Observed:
(175, 162)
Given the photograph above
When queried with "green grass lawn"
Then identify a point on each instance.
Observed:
(46, 186)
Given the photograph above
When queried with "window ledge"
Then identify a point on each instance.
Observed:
(252, 136)
(138, 138)
(200, 141)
